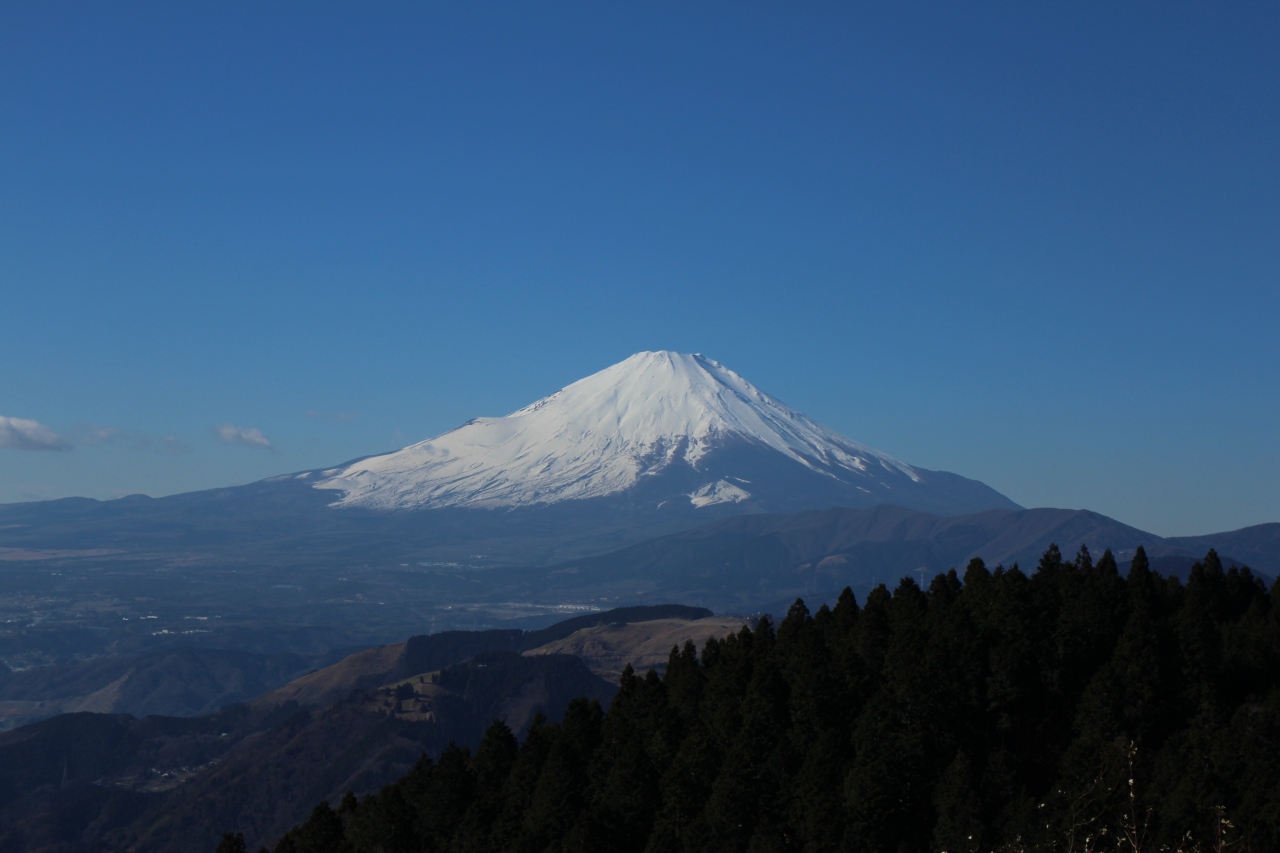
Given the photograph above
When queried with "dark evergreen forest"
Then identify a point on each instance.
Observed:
(1072, 709)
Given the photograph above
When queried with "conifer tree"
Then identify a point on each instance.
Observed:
(491, 766)
(231, 843)
(627, 768)
(560, 793)
(960, 826)
(517, 791)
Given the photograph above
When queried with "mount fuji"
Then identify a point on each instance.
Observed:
(656, 444)
(663, 431)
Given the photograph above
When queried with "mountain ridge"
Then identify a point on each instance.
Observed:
(751, 562)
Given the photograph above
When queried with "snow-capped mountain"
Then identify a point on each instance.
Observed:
(658, 429)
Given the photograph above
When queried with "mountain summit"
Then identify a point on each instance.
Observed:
(658, 429)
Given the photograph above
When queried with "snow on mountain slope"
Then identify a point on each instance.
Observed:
(653, 413)
(719, 492)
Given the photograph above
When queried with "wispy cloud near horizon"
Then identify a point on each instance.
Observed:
(248, 436)
(23, 434)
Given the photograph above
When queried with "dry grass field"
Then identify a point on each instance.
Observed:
(607, 649)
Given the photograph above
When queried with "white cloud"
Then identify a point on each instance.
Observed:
(248, 436)
(22, 434)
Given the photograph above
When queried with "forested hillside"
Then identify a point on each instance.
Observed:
(1069, 709)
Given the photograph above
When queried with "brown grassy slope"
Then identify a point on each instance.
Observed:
(607, 649)
(364, 670)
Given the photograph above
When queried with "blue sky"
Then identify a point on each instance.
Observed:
(1035, 244)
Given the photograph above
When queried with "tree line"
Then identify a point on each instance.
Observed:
(1069, 709)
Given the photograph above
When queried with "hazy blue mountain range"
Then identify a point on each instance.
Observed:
(754, 561)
